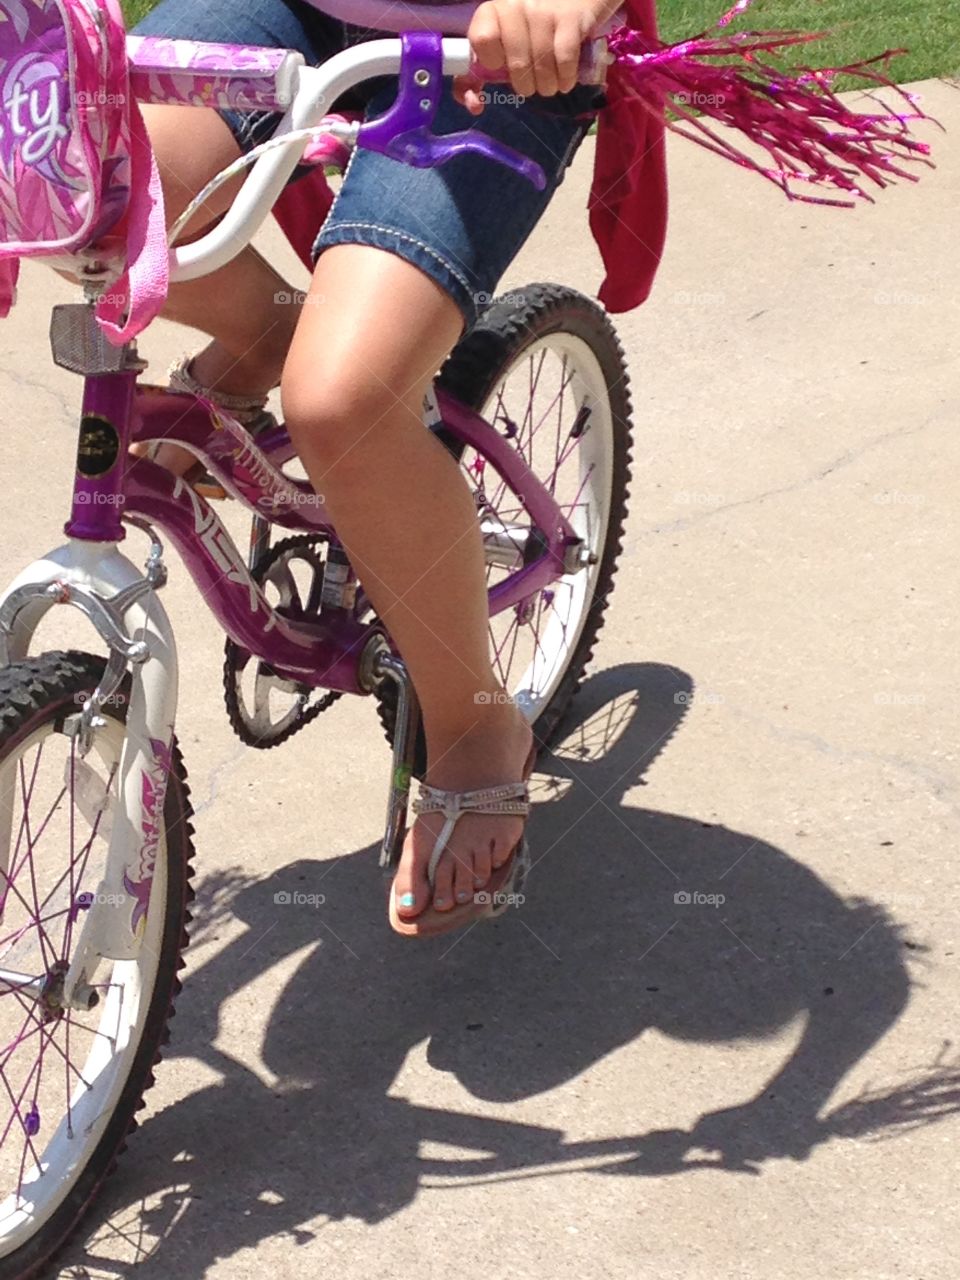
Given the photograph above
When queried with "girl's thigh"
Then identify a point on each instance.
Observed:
(463, 222)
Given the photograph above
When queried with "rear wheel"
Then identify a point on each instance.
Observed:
(72, 1078)
(547, 371)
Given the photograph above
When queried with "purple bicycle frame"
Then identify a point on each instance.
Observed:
(325, 652)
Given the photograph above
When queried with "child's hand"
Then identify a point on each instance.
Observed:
(538, 40)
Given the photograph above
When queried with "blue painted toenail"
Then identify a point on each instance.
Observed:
(440, 902)
(407, 899)
(462, 897)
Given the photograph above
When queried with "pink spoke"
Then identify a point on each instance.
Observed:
(35, 923)
(50, 1043)
(571, 445)
(16, 1111)
(85, 852)
(496, 655)
(563, 387)
(534, 383)
(22, 1035)
(31, 844)
(513, 648)
(66, 1075)
(15, 937)
(73, 832)
(23, 821)
(34, 1110)
(501, 410)
(70, 1067)
(549, 409)
(576, 500)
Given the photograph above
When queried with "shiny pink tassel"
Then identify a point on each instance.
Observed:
(792, 113)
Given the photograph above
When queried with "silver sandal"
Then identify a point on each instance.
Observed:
(249, 411)
(505, 886)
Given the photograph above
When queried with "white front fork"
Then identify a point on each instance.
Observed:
(122, 604)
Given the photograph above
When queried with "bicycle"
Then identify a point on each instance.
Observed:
(534, 405)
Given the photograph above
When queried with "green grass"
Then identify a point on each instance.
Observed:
(861, 29)
(134, 10)
(929, 29)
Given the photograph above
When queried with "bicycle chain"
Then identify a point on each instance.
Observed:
(231, 669)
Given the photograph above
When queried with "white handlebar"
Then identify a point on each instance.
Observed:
(317, 89)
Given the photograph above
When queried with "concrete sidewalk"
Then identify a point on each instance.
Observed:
(615, 1084)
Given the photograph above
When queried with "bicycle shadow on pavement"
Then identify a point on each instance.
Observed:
(605, 948)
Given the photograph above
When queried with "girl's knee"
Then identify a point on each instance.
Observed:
(328, 411)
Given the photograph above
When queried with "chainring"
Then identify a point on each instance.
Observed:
(261, 725)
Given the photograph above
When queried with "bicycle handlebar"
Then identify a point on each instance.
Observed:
(419, 59)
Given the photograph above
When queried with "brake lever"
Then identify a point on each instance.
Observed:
(403, 132)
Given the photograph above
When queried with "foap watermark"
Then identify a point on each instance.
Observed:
(687, 298)
(100, 98)
(84, 901)
(103, 700)
(897, 498)
(297, 898)
(496, 699)
(686, 898)
(895, 698)
(699, 100)
(483, 898)
(482, 299)
(298, 298)
(689, 498)
(290, 498)
(900, 298)
(98, 499)
(500, 98)
(687, 697)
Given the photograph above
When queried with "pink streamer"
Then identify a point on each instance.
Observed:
(791, 112)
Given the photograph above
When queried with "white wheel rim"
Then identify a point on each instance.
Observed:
(62, 1147)
(586, 502)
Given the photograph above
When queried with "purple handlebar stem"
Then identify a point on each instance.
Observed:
(403, 132)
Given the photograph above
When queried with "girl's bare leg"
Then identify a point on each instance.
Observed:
(371, 336)
(237, 306)
(353, 405)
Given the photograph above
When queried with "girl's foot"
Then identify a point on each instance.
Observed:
(494, 750)
(201, 375)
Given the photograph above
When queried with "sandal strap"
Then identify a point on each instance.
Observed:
(508, 798)
(181, 379)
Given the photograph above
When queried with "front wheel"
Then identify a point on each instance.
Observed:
(545, 368)
(71, 1078)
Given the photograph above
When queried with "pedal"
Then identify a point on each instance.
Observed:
(390, 667)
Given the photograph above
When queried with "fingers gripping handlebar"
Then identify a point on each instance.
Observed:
(403, 132)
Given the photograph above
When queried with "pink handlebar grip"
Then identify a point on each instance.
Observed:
(594, 60)
(195, 73)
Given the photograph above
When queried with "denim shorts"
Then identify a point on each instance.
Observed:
(461, 223)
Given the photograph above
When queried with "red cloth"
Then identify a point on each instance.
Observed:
(628, 197)
(9, 273)
(302, 210)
